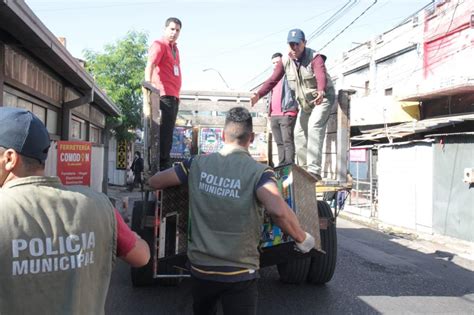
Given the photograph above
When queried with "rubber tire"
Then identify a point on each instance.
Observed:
(295, 271)
(322, 266)
(143, 276)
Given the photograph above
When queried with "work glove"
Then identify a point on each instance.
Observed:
(306, 245)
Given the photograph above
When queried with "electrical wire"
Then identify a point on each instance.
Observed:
(332, 19)
(385, 43)
(447, 31)
(257, 41)
(325, 25)
(349, 25)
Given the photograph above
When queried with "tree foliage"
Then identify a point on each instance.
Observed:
(119, 71)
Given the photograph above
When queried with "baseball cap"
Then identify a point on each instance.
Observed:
(23, 132)
(295, 36)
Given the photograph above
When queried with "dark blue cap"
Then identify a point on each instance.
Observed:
(23, 132)
(295, 36)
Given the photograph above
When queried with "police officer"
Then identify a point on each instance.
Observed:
(58, 244)
(226, 190)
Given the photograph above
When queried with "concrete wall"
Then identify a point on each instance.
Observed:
(448, 46)
(406, 185)
(453, 202)
(97, 168)
(392, 60)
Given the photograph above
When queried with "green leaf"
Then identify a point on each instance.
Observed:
(119, 71)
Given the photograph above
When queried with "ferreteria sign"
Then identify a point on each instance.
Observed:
(74, 162)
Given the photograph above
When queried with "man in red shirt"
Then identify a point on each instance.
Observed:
(282, 111)
(164, 72)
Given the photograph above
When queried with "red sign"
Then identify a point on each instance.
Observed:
(74, 162)
(358, 155)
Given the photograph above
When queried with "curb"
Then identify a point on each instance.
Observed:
(461, 248)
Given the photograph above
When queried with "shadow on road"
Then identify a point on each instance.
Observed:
(373, 275)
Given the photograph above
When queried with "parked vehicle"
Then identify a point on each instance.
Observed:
(161, 218)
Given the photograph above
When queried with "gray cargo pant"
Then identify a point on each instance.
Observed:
(310, 131)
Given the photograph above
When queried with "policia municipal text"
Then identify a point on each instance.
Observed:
(226, 192)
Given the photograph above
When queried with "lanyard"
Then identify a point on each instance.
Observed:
(173, 51)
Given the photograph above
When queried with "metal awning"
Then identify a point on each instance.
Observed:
(27, 31)
(409, 128)
(467, 87)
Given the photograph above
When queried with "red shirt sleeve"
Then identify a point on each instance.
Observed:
(155, 53)
(126, 239)
(319, 70)
(268, 85)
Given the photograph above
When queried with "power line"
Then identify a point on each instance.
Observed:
(257, 76)
(332, 19)
(325, 25)
(404, 21)
(257, 40)
(447, 31)
(353, 21)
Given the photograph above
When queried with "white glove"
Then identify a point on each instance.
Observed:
(306, 245)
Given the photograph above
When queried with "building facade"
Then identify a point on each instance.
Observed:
(39, 74)
(412, 118)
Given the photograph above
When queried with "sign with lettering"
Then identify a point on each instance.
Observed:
(74, 162)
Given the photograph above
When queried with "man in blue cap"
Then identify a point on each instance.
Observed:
(58, 245)
(314, 91)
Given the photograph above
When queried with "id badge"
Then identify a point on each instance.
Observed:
(176, 70)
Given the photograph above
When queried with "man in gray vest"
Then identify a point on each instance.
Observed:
(226, 192)
(314, 90)
(58, 245)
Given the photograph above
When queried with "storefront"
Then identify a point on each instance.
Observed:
(39, 74)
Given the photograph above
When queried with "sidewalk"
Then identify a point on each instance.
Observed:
(124, 199)
(458, 251)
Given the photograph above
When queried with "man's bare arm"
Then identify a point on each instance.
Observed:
(163, 179)
(139, 255)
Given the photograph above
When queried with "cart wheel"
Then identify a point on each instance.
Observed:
(295, 271)
(323, 265)
(143, 276)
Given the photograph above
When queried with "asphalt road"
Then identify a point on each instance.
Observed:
(374, 275)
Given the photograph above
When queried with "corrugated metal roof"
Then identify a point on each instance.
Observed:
(409, 128)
